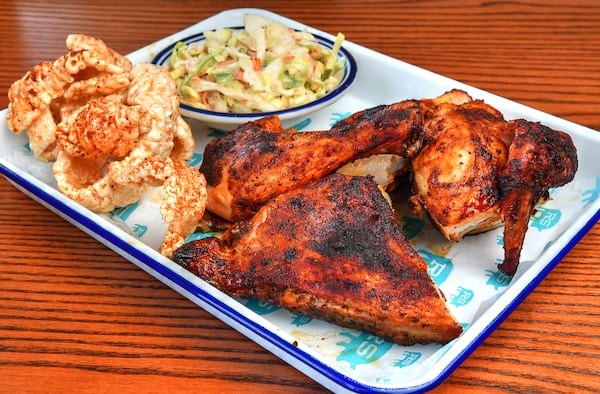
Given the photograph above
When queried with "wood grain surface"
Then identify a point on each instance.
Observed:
(76, 317)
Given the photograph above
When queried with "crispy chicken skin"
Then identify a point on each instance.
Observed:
(331, 249)
(252, 164)
(539, 158)
(456, 173)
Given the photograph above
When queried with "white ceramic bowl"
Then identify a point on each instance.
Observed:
(229, 121)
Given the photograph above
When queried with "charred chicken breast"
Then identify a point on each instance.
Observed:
(330, 249)
(456, 174)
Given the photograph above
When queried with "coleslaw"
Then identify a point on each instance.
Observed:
(262, 67)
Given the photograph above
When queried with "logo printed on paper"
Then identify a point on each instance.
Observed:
(260, 307)
(384, 377)
(195, 159)
(337, 116)
(409, 359)
(139, 229)
(463, 297)
(500, 240)
(497, 278)
(123, 213)
(412, 226)
(216, 132)
(439, 267)
(199, 235)
(362, 349)
(301, 319)
(591, 194)
(302, 125)
(545, 218)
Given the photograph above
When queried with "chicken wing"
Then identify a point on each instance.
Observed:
(248, 166)
(331, 249)
(539, 158)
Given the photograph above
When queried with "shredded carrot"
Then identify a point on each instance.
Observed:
(256, 64)
(239, 75)
(225, 63)
(315, 65)
(204, 98)
(288, 57)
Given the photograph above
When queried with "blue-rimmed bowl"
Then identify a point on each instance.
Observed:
(229, 121)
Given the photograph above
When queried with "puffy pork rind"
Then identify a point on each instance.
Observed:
(52, 91)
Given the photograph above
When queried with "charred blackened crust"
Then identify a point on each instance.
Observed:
(333, 250)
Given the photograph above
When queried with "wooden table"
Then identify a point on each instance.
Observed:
(76, 317)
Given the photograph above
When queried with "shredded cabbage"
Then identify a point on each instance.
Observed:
(263, 67)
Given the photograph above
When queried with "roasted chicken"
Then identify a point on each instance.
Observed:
(456, 174)
(331, 249)
(463, 157)
(475, 170)
(328, 245)
(254, 163)
(539, 158)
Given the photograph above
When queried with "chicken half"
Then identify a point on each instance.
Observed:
(330, 249)
(258, 161)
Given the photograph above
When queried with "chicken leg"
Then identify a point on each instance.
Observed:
(252, 164)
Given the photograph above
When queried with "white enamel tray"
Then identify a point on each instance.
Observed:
(345, 360)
